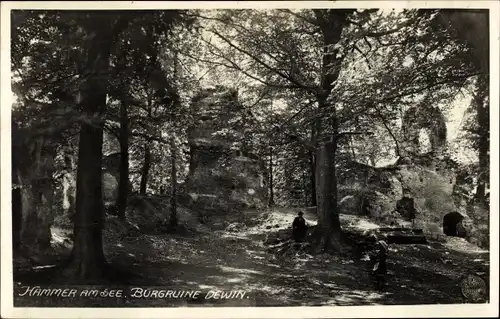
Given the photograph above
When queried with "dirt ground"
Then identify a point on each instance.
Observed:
(235, 258)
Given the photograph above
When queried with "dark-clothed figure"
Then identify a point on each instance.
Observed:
(299, 228)
(378, 257)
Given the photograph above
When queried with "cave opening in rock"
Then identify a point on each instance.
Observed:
(406, 206)
(452, 223)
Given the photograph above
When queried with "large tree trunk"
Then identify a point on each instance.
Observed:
(145, 169)
(328, 218)
(123, 186)
(87, 262)
(331, 23)
(173, 200)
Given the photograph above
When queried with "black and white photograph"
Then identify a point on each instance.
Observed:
(329, 156)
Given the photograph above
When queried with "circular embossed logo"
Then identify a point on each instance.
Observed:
(473, 288)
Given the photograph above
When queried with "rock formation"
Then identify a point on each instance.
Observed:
(110, 178)
(407, 194)
(32, 179)
(224, 175)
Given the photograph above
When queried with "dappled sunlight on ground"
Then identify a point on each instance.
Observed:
(460, 244)
(242, 271)
(276, 219)
(357, 223)
(236, 258)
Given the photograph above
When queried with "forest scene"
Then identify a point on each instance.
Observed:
(309, 157)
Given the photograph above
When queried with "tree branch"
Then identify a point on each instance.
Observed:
(378, 34)
(267, 66)
(301, 17)
(303, 142)
(398, 151)
(235, 66)
(364, 55)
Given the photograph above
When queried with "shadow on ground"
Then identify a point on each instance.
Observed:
(238, 261)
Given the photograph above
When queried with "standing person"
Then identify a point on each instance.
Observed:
(378, 256)
(299, 228)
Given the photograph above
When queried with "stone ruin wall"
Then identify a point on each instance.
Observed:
(420, 118)
(224, 175)
(428, 179)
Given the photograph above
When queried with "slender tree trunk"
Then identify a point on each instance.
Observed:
(88, 263)
(173, 200)
(483, 165)
(145, 169)
(147, 150)
(312, 168)
(123, 186)
(16, 219)
(305, 189)
(483, 118)
(17, 210)
(271, 181)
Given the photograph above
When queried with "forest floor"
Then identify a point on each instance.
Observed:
(235, 258)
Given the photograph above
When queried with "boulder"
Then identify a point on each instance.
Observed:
(109, 188)
(350, 205)
(376, 204)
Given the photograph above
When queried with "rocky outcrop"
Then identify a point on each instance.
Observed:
(32, 190)
(400, 194)
(224, 175)
(110, 180)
